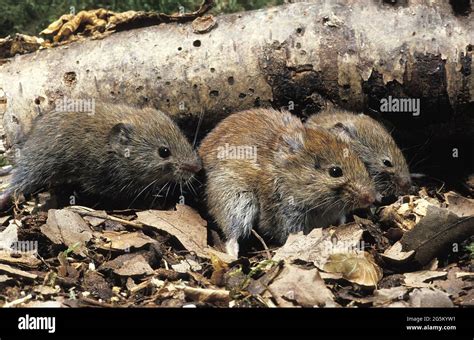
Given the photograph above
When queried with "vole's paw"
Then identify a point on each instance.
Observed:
(232, 248)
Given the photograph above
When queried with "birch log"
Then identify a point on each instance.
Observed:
(302, 55)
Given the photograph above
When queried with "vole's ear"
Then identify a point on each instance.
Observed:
(290, 144)
(293, 142)
(120, 134)
(344, 131)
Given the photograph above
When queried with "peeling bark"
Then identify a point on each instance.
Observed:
(352, 53)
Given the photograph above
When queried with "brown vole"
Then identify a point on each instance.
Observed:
(265, 168)
(117, 151)
(374, 145)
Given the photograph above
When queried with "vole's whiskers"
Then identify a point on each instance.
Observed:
(189, 184)
(195, 179)
(141, 192)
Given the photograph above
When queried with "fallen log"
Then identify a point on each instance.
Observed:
(298, 56)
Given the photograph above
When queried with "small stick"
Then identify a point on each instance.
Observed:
(267, 252)
(91, 212)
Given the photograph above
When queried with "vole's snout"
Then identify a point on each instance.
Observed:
(404, 184)
(194, 167)
(367, 198)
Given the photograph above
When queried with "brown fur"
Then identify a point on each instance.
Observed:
(288, 188)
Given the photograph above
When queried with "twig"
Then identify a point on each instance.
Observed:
(84, 211)
(267, 252)
(18, 302)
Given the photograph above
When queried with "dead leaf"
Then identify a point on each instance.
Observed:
(425, 297)
(96, 284)
(9, 236)
(184, 223)
(319, 244)
(295, 286)
(395, 255)
(186, 265)
(128, 265)
(459, 205)
(384, 297)
(124, 241)
(419, 279)
(453, 285)
(436, 233)
(68, 228)
(355, 267)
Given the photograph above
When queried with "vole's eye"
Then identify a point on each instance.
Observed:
(387, 163)
(335, 171)
(164, 152)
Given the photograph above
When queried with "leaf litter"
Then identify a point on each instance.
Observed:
(168, 259)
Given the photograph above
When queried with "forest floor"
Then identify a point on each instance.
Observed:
(417, 251)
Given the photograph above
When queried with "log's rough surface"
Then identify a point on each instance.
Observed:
(352, 53)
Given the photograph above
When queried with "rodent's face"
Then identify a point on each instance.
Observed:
(319, 171)
(155, 149)
(389, 171)
(384, 160)
(374, 145)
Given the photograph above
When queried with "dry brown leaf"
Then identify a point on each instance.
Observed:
(461, 206)
(295, 286)
(454, 285)
(68, 228)
(8, 236)
(384, 297)
(124, 241)
(355, 267)
(425, 297)
(436, 233)
(419, 279)
(319, 244)
(396, 255)
(184, 223)
(128, 265)
(185, 266)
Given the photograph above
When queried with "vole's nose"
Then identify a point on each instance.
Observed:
(367, 198)
(404, 184)
(192, 167)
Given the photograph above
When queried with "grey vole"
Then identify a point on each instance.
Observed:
(265, 168)
(116, 151)
(372, 142)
